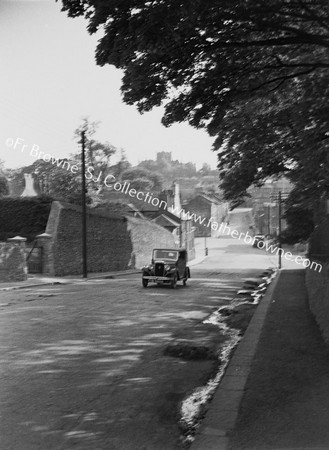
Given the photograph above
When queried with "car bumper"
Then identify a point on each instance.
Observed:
(155, 278)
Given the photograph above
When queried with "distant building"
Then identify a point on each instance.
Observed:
(171, 225)
(164, 157)
(29, 190)
(264, 202)
(160, 212)
(210, 208)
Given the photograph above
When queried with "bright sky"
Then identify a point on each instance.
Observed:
(49, 81)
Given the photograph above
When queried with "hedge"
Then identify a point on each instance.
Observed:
(25, 217)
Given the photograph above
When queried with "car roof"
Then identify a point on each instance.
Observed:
(171, 249)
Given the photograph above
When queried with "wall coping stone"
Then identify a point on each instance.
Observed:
(17, 239)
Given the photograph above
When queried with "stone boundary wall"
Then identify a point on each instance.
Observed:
(240, 219)
(317, 284)
(145, 236)
(319, 242)
(113, 242)
(108, 242)
(13, 265)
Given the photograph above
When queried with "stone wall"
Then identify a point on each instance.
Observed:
(317, 281)
(12, 262)
(317, 284)
(145, 236)
(219, 214)
(241, 219)
(318, 248)
(113, 242)
(201, 207)
(108, 242)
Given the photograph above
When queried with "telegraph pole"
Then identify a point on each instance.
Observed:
(269, 219)
(84, 211)
(280, 240)
(279, 199)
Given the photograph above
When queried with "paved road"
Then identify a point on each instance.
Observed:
(83, 365)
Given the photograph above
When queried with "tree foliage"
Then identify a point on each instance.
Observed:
(49, 180)
(56, 179)
(169, 169)
(25, 217)
(142, 179)
(122, 165)
(299, 225)
(4, 188)
(252, 72)
(97, 155)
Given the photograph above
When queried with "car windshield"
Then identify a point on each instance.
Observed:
(165, 254)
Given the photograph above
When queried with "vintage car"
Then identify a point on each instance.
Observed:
(258, 238)
(167, 267)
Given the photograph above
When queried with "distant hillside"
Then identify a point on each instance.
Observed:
(190, 180)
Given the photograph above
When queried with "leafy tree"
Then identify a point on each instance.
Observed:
(2, 167)
(212, 52)
(98, 155)
(169, 169)
(51, 180)
(264, 138)
(58, 181)
(121, 166)
(142, 179)
(4, 188)
(300, 224)
(252, 72)
(205, 169)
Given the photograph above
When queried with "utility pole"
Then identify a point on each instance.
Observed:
(181, 231)
(269, 219)
(279, 199)
(280, 240)
(84, 211)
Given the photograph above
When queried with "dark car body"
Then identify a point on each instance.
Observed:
(258, 238)
(167, 267)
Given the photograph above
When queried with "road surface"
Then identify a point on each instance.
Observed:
(84, 365)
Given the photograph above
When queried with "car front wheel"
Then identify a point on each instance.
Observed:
(145, 282)
(174, 281)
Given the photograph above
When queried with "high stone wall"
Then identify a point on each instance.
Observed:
(108, 242)
(12, 262)
(113, 242)
(317, 284)
(317, 277)
(145, 236)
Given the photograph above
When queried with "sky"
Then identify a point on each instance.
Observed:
(49, 81)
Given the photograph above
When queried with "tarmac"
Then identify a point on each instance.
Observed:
(275, 391)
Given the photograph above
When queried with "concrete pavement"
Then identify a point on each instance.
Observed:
(223, 410)
(275, 391)
(44, 280)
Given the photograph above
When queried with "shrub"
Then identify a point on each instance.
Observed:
(25, 217)
(299, 225)
(4, 189)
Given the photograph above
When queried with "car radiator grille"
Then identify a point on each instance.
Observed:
(159, 269)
